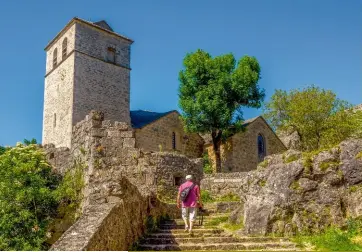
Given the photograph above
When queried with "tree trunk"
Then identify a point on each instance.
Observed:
(216, 142)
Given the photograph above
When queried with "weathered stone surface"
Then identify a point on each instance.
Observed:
(121, 181)
(290, 195)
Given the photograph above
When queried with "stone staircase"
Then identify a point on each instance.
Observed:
(171, 236)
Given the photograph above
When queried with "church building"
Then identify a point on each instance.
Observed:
(88, 68)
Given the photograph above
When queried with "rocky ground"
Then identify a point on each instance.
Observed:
(301, 193)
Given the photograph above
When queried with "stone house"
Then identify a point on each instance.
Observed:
(164, 132)
(244, 150)
(88, 68)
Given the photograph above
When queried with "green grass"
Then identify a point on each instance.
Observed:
(325, 165)
(335, 239)
(217, 221)
(355, 188)
(233, 227)
(206, 197)
(262, 183)
(264, 164)
(359, 155)
(228, 197)
(295, 186)
(290, 159)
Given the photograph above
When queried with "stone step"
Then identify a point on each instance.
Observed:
(173, 240)
(187, 235)
(195, 231)
(165, 226)
(169, 239)
(218, 246)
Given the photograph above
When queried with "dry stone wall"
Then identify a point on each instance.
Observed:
(122, 183)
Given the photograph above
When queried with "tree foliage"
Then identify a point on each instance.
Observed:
(27, 202)
(213, 91)
(31, 196)
(317, 115)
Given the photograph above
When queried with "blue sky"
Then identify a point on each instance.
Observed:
(297, 43)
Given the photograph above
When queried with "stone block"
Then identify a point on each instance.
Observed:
(129, 142)
(96, 123)
(113, 133)
(127, 134)
(106, 123)
(97, 132)
(121, 126)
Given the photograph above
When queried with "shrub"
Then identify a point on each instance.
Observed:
(207, 167)
(206, 196)
(229, 197)
(27, 198)
(69, 192)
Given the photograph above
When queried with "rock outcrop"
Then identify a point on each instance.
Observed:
(297, 193)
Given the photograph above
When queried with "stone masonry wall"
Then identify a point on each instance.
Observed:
(84, 80)
(101, 86)
(120, 179)
(157, 136)
(58, 104)
(221, 184)
(240, 153)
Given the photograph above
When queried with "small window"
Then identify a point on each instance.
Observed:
(111, 55)
(51, 156)
(55, 120)
(261, 148)
(177, 180)
(173, 140)
(55, 55)
(64, 48)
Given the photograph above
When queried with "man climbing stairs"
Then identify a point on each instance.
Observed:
(171, 236)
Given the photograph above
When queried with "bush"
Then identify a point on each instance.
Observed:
(206, 196)
(207, 164)
(336, 239)
(69, 192)
(32, 196)
(27, 198)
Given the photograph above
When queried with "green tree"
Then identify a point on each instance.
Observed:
(27, 200)
(2, 149)
(213, 91)
(29, 142)
(317, 115)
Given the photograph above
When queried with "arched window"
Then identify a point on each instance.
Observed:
(55, 55)
(173, 140)
(261, 148)
(64, 48)
(55, 120)
(111, 55)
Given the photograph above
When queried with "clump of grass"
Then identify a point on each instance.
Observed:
(335, 239)
(262, 182)
(290, 158)
(233, 227)
(359, 155)
(325, 165)
(217, 221)
(229, 197)
(264, 164)
(295, 186)
(355, 188)
(206, 196)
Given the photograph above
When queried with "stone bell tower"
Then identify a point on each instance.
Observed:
(87, 67)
